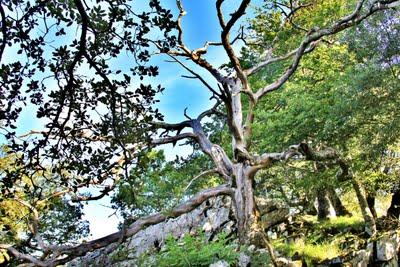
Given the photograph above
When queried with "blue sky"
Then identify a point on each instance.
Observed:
(200, 25)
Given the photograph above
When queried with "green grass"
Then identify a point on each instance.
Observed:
(311, 252)
(310, 218)
(323, 240)
(342, 223)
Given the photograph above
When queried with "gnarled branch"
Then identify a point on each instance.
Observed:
(3, 32)
(225, 36)
(173, 139)
(141, 223)
(305, 152)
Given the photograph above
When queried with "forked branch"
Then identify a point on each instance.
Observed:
(173, 139)
(269, 60)
(304, 152)
(225, 38)
(194, 55)
(198, 76)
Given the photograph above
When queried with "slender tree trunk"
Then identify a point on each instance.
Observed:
(371, 205)
(340, 209)
(323, 204)
(322, 196)
(370, 226)
(394, 209)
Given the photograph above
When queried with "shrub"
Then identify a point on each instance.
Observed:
(194, 251)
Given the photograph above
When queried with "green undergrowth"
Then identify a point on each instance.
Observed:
(191, 251)
(310, 240)
(318, 241)
(196, 251)
(311, 252)
(341, 224)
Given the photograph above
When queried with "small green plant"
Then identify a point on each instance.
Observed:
(260, 259)
(119, 254)
(194, 251)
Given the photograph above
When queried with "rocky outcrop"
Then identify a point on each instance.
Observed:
(386, 248)
(211, 216)
(220, 264)
(386, 254)
(215, 215)
(271, 213)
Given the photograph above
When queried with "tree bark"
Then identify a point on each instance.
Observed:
(323, 204)
(340, 209)
(322, 195)
(370, 226)
(247, 214)
(371, 205)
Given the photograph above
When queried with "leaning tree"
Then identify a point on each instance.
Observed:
(62, 58)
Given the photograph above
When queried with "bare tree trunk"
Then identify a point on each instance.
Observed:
(322, 195)
(247, 214)
(323, 204)
(340, 209)
(370, 226)
(371, 205)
